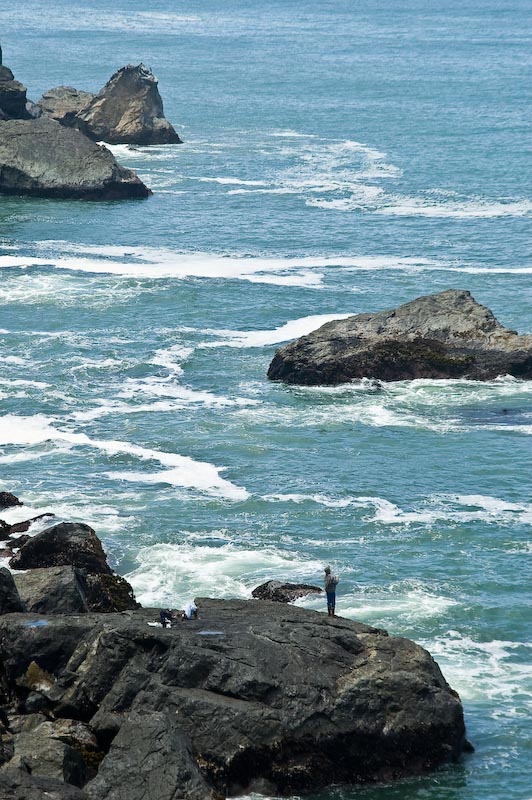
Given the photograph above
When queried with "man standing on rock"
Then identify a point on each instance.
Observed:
(331, 582)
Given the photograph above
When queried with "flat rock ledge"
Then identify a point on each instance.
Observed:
(252, 696)
(41, 158)
(443, 335)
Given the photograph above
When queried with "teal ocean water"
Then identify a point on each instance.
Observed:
(339, 157)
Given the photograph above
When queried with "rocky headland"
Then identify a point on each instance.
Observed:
(443, 335)
(49, 149)
(99, 702)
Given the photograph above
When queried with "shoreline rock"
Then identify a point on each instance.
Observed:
(254, 696)
(439, 336)
(279, 592)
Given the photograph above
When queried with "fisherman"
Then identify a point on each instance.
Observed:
(165, 615)
(191, 611)
(331, 582)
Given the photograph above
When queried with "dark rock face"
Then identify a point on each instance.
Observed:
(12, 96)
(63, 103)
(22, 527)
(55, 590)
(128, 110)
(253, 694)
(283, 592)
(67, 544)
(48, 757)
(41, 158)
(9, 597)
(106, 593)
(444, 335)
(136, 770)
(8, 500)
(17, 784)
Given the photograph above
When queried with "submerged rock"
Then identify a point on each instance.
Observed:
(128, 110)
(253, 696)
(41, 158)
(8, 500)
(444, 335)
(284, 592)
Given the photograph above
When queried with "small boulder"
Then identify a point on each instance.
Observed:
(41, 158)
(63, 103)
(48, 757)
(67, 544)
(283, 592)
(53, 590)
(128, 110)
(8, 500)
(10, 601)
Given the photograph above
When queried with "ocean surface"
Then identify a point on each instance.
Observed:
(339, 157)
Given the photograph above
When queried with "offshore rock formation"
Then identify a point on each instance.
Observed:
(41, 158)
(128, 110)
(444, 335)
(254, 696)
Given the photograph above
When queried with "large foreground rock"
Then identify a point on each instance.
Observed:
(128, 110)
(444, 335)
(41, 158)
(253, 696)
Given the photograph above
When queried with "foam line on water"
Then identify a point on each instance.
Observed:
(185, 471)
(292, 329)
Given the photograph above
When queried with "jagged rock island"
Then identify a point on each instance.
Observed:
(252, 696)
(443, 335)
(128, 110)
(49, 149)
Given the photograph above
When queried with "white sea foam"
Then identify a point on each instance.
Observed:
(174, 573)
(481, 670)
(450, 508)
(185, 471)
(290, 330)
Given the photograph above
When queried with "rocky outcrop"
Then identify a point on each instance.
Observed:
(128, 110)
(254, 696)
(444, 335)
(9, 596)
(12, 96)
(41, 158)
(55, 590)
(8, 500)
(63, 103)
(280, 592)
(67, 544)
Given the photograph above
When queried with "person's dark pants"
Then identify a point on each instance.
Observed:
(331, 603)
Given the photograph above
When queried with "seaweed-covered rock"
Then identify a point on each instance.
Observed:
(443, 335)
